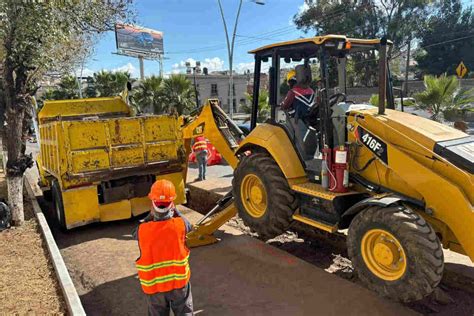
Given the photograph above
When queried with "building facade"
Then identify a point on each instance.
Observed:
(216, 86)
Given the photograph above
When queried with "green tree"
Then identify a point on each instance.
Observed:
(108, 83)
(443, 94)
(149, 95)
(35, 37)
(178, 95)
(263, 106)
(395, 19)
(449, 22)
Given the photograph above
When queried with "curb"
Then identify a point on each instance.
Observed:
(73, 302)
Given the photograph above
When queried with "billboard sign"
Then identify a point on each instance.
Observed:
(135, 39)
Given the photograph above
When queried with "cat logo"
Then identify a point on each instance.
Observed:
(199, 130)
(373, 143)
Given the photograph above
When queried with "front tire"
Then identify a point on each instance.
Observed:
(263, 197)
(395, 252)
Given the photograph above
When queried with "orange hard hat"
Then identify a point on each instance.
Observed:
(162, 191)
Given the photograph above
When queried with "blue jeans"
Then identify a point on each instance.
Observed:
(201, 158)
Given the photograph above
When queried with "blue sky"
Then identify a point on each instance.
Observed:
(193, 30)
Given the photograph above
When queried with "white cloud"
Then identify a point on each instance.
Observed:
(301, 9)
(129, 68)
(243, 67)
(86, 72)
(212, 64)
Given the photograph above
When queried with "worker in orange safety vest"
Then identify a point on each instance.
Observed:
(163, 265)
(200, 151)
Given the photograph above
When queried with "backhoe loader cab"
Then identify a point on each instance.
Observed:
(401, 184)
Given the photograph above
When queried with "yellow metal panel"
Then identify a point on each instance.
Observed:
(448, 202)
(127, 156)
(178, 181)
(276, 142)
(140, 205)
(85, 134)
(311, 222)
(160, 128)
(166, 150)
(415, 142)
(81, 107)
(315, 189)
(89, 160)
(81, 206)
(115, 211)
(320, 40)
(125, 131)
(426, 132)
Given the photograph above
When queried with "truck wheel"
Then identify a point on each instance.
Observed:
(48, 195)
(262, 195)
(58, 206)
(395, 252)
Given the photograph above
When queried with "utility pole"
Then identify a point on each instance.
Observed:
(160, 59)
(230, 51)
(407, 67)
(142, 68)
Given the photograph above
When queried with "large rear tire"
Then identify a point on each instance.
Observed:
(58, 205)
(395, 252)
(262, 195)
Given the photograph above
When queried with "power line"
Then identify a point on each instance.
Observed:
(269, 35)
(279, 31)
(448, 41)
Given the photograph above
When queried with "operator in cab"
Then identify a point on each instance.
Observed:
(298, 102)
(163, 265)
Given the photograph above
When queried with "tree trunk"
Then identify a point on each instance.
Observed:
(16, 100)
(15, 163)
(15, 199)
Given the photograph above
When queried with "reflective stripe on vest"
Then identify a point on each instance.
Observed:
(302, 104)
(163, 264)
(200, 145)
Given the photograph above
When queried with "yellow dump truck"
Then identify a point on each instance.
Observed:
(98, 161)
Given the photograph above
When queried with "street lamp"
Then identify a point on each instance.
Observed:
(230, 50)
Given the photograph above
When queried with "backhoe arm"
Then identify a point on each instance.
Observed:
(202, 233)
(212, 123)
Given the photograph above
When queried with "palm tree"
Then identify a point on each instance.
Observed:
(263, 106)
(178, 94)
(108, 83)
(443, 94)
(148, 96)
(66, 89)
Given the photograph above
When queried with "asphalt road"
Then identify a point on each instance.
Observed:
(240, 275)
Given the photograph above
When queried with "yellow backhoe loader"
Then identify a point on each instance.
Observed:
(401, 185)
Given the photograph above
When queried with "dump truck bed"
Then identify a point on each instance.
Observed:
(78, 151)
(93, 145)
(99, 161)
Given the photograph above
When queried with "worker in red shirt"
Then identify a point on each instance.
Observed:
(163, 265)
(200, 151)
(298, 101)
